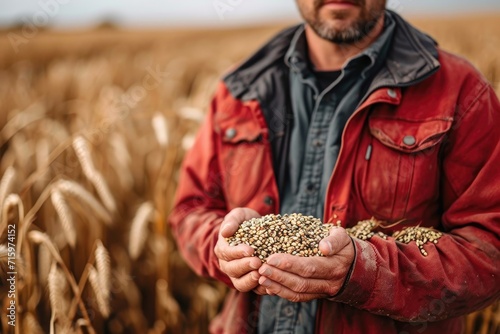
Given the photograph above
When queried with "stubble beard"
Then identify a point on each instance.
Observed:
(351, 34)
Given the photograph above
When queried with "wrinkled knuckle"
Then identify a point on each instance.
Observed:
(222, 254)
(302, 286)
(277, 289)
(310, 271)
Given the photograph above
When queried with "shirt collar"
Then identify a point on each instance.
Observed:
(296, 56)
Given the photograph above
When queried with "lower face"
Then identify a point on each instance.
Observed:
(342, 22)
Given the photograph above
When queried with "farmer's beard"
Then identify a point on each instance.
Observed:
(351, 33)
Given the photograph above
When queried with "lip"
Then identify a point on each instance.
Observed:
(339, 4)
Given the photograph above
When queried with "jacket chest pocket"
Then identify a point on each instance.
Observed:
(242, 157)
(398, 174)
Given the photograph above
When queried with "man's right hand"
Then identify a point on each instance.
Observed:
(237, 262)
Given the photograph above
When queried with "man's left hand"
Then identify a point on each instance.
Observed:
(301, 279)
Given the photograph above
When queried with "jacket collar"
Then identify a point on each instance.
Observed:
(296, 58)
(412, 58)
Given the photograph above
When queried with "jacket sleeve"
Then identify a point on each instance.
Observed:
(200, 206)
(461, 273)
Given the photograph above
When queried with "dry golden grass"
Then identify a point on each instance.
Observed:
(91, 142)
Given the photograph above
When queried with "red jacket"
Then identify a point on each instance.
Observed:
(449, 178)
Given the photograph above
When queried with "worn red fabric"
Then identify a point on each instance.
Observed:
(448, 179)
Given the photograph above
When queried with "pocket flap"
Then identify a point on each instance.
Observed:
(409, 135)
(241, 130)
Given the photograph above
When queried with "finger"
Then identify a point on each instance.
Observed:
(246, 282)
(300, 284)
(238, 268)
(274, 288)
(337, 240)
(260, 290)
(228, 253)
(234, 219)
(308, 267)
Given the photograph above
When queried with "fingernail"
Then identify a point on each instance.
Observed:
(254, 276)
(266, 283)
(253, 265)
(330, 247)
(274, 262)
(224, 229)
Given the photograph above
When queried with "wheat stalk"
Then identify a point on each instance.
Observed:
(65, 216)
(82, 151)
(42, 238)
(74, 189)
(139, 230)
(22, 119)
(103, 269)
(95, 282)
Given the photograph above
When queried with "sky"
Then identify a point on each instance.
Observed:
(149, 13)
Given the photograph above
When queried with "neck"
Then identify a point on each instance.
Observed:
(329, 56)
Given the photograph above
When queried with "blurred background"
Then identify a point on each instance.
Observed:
(99, 101)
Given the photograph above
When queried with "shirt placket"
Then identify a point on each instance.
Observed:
(315, 155)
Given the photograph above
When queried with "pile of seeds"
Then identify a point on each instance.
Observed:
(364, 230)
(421, 236)
(293, 234)
(300, 235)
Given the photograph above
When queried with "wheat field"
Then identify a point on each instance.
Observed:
(94, 125)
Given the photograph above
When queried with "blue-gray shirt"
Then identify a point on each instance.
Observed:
(320, 112)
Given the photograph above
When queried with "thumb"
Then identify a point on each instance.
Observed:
(335, 242)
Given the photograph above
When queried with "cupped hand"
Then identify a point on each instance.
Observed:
(237, 262)
(300, 279)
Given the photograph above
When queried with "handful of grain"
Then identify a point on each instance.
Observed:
(293, 234)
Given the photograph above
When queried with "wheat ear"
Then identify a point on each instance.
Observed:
(139, 229)
(82, 151)
(11, 201)
(75, 190)
(42, 238)
(65, 216)
(6, 183)
(31, 325)
(103, 268)
(160, 128)
(102, 303)
(57, 288)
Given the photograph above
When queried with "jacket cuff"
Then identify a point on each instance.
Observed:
(358, 288)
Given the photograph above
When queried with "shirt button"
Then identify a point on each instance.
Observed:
(409, 140)
(288, 311)
(392, 93)
(230, 133)
(268, 200)
(317, 143)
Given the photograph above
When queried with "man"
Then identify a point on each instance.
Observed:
(355, 114)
